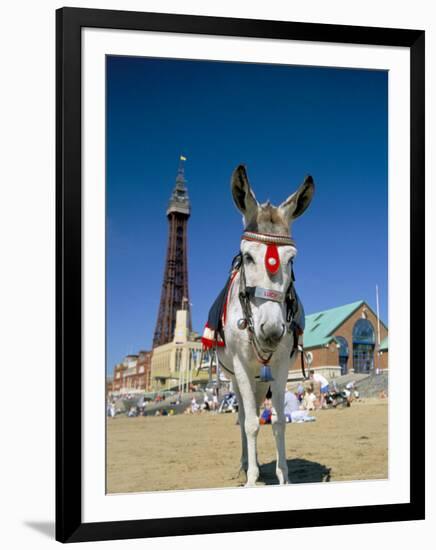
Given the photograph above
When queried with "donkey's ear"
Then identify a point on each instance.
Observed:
(242, 193)
(297, 203)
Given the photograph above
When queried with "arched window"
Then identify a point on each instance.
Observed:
(343, 349)
(363, 346)
(343, 353)
(363, 332)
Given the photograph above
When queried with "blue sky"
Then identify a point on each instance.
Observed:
(283, 122)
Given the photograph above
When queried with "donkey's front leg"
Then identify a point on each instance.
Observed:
(247, 388)
(243, 466)
(251, 426)
(279, 426)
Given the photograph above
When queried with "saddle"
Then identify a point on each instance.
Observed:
(213, 334)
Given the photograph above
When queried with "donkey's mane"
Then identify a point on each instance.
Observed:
(268, 219)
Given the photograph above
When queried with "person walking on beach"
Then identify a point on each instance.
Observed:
(324, 386)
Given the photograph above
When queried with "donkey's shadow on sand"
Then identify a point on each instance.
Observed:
(300, 471)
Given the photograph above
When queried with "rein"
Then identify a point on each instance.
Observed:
(244, 298)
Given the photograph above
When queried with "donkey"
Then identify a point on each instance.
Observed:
(261, 330)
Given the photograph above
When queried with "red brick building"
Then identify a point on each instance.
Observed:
(144, 370)
(133, 373)
(345, 339)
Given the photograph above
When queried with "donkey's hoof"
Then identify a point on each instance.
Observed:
(283, 479)
(252, 478)
(250, 484)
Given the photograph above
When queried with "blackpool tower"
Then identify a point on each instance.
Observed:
(175, 291)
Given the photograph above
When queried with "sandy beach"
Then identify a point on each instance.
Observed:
(203, 451)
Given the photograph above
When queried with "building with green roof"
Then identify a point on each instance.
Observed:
(344, 339)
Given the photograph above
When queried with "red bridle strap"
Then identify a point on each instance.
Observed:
(267, 238)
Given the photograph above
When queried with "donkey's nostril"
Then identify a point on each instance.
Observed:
(277, 335)
(274, 333)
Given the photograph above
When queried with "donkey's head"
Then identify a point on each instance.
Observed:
(268, 266)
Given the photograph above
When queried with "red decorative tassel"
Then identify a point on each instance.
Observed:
(208, 344)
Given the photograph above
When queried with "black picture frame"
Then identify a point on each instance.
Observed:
(69, 22)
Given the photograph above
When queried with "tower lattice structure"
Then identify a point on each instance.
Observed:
(175, 290)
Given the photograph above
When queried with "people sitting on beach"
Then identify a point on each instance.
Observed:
(206, 405)
(266, 416)
(215, 399)
(229, 403)
(336, 398)
(111, 409)
(309, 398)
(351, 387)
(132, 412)
(292, 404)
(300, 392)
(294, 412)
(195, 407)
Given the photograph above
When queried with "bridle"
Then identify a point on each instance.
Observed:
(246, 294)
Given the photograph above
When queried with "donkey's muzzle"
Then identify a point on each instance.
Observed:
(271, 335)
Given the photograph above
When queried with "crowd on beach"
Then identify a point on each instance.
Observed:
(138, 405)
(311, 395)
(319, 393)
(314, 394)
(161, 404)
(212, 402)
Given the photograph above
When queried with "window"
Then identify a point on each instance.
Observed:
(363, 346)
(343, 353)
(363, 332)
(343, 346)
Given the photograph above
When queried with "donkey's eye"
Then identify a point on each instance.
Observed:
(248, 258)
